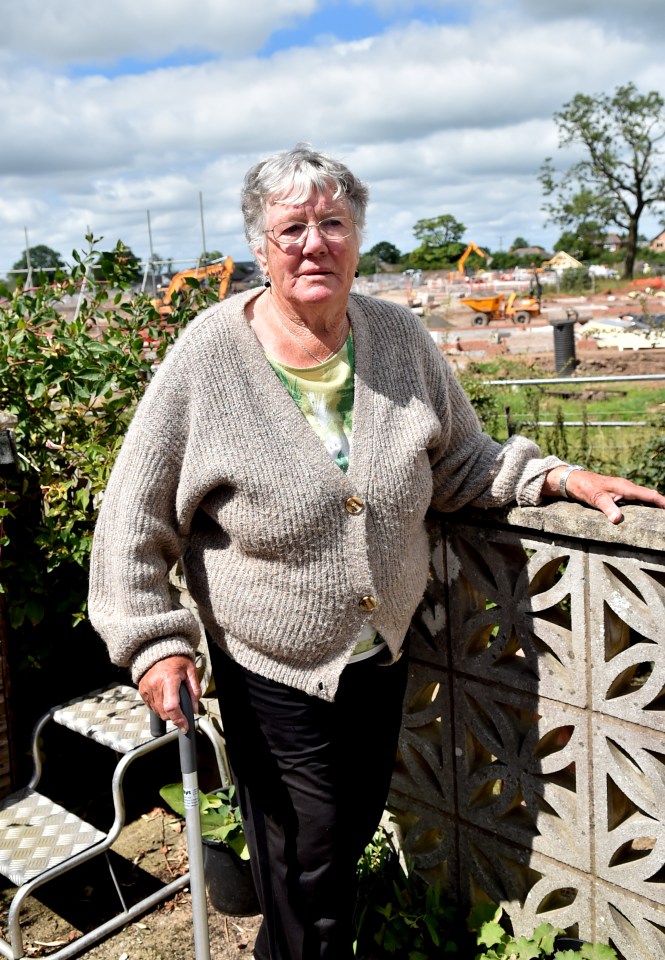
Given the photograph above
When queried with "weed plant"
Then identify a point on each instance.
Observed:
(542, 413)
(401, 916)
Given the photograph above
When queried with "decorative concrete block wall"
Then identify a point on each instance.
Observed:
(532, 758)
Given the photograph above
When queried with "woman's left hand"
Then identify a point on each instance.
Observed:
(600, 491)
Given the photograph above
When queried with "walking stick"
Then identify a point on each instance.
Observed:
(190, 790)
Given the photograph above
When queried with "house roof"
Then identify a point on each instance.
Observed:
(563, 261)
(530, 251)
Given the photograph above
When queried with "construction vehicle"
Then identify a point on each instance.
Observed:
(218, 270)
(498, 307)
(472, 248)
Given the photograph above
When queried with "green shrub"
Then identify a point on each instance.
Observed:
(75, 357)
(648, 467)
(399, 915)
(575, 281)
(219, 815)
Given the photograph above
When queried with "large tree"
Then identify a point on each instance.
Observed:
(386, 252)
(622, 171)
(439, 241)
(41, 258)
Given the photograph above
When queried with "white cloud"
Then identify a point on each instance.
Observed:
(638, 17)
(448, 118)
(85, 31)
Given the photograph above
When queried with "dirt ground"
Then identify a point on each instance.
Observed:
(599, 363)
(153, 845)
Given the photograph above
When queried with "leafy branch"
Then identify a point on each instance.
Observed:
(75, 357)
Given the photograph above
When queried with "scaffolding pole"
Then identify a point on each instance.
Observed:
(203, 230)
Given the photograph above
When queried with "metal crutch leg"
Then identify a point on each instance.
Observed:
(190, 789)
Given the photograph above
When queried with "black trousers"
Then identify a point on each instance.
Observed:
(312, 779)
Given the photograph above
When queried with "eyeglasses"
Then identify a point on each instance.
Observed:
(294, 231)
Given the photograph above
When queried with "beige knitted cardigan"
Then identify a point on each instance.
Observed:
(219, 467)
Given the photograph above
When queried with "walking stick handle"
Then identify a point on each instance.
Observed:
(157, 725)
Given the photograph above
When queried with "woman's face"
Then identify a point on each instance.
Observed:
(316, 271)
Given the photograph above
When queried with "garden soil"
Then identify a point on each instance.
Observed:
(599, 363)
(152, 845)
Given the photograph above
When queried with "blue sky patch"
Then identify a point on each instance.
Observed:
(128, 66)
(348, 21)
(343, 20)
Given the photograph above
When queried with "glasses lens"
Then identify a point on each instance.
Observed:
(290, 231)
(335, 228)
(293, 231)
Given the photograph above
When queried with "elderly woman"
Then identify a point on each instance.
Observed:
(287, 451)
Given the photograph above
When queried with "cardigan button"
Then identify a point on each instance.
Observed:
(368, 603)
(354, 505)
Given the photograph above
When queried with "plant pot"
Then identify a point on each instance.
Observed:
(569, 943)
(229, 881)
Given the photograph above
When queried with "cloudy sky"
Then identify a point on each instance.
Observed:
(110, 110)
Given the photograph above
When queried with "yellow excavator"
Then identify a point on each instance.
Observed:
(472, 248)
(219, 271)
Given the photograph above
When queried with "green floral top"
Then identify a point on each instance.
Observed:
(324, 395)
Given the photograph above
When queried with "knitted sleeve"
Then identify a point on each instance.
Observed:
(136, 543)
(139, 536)
(469, 467)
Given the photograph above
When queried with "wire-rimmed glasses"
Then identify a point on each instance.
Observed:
(294, 231)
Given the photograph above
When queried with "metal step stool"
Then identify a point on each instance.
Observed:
(40, 840)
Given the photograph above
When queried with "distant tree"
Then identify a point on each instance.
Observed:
(367, 264)
(519, 242)
(585, 242)
(439, 242)
(209, 255)
(438, 231)
(381, 253)
(623, 171)
(42, 258)
(387, 252)
(503, 260)
(587, 225)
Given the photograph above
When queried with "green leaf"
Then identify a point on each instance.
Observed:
(34, 610)
(482, 913)
(432, 929)
(545, 935)
(525, 949)
(38, 391)
(597, 951)
(220, 819)
(490, 934)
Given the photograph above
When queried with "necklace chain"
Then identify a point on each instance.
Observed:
(301, 343)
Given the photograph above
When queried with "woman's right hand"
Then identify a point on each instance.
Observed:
(160, 688)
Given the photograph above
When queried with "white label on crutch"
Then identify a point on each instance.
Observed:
(190, 791)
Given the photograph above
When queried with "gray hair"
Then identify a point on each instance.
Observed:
(292, 177)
